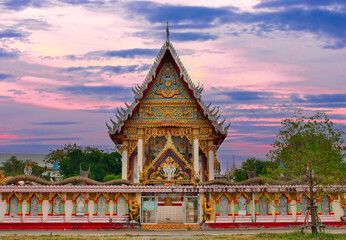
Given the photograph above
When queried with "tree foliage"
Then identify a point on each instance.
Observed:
(251, 164)
(111, 177)
(14, 167)
(60, 153)
(311, 150)
(307, 145)
(72, 158)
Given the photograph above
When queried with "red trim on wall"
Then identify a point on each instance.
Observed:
(105, 225)
(268, 225)
(173, 204)
(108, 225)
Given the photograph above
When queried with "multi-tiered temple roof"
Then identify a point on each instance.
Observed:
(167, 51)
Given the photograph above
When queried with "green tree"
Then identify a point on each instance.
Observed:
(251, 164)
(14, 167)
(313, 152)
(100, 162)
(111, 177)
(60, 153)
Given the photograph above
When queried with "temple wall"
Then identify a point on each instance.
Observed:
(338, 210)
(233, 200)
(2, 209)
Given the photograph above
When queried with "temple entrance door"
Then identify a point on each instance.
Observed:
(149, 209)
(191, 209)
(170, 209)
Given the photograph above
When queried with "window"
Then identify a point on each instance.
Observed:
(223, 204)
(283, 205)
(34, 205)
(80, 205)
(263, 206)
(101, 206)
(57, 205)
(13, 206)
(242, 205)
(304, 203)
(121, 206)
(325, 205)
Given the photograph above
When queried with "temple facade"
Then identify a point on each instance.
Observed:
(168, 138)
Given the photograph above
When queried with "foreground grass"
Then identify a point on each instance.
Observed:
(261, 236)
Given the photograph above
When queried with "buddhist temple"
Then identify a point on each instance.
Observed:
(168, 139)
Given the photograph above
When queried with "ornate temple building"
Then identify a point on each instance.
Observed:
(168, 138)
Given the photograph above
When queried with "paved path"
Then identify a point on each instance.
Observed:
(160, 233)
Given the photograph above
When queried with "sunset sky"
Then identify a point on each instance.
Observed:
(65, 65)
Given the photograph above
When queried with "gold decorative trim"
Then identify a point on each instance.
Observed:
(342, 200)
(132, 147)
(203, 145)
(176, 132)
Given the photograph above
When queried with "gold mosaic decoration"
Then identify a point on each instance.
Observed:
(159, 132)
(167, 85)
(167, 113)
(180, 175)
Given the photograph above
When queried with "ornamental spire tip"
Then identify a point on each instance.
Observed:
(167, 32)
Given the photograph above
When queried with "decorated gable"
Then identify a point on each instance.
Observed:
(169, 167)
(168, 85)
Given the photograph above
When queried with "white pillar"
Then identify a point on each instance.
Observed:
(211, 164)
(196, 157)
(91, 209)
(24, 207)
(124, 158)
(135, 169)
(45, 210)
(139, 157)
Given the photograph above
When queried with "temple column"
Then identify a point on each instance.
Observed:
(124, 157)
(211, 149)
(140, 154)
(196, 153)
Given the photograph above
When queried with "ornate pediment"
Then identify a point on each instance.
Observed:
(167, 85)
(168, 168)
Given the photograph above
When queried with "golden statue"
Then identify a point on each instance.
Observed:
(208, 209)
(134, 209)
(1, 176)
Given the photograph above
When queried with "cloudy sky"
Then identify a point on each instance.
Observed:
(65, 65)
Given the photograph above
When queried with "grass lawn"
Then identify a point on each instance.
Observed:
(262, 236)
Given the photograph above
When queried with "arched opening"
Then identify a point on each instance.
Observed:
(101, 206)
(13, 206)
(263, 206)
(34, 201)
(283, 207)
